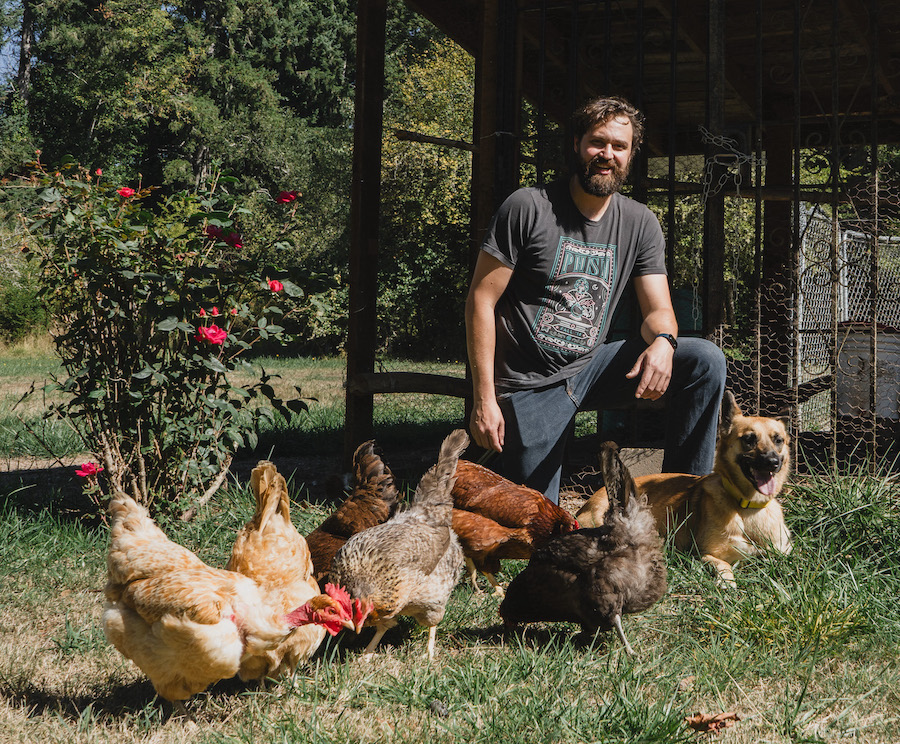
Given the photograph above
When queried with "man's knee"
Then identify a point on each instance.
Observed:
(703, 358)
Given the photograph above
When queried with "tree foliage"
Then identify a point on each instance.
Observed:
(173, 91)
(425, 192)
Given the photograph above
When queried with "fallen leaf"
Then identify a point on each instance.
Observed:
(715, 723)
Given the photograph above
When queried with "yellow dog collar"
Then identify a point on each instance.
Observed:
(738, 496)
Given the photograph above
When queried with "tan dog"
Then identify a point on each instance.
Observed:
(730, 514)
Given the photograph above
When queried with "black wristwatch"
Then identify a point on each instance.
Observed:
(670, 338)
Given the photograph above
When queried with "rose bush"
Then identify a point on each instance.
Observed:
(150, 380)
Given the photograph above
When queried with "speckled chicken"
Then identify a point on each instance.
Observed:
(185, 624)
(495, 518)
(410, 564)
(270, 551)
(372, 501)
(593, 576)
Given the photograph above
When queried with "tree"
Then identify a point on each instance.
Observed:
(425, 193)
(171, 91)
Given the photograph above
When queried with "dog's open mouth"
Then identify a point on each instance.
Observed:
(763, 479)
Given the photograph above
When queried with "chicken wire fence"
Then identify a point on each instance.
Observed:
(848, 328)
(821, 346)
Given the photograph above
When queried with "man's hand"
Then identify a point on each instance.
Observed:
(487, 425)
(654, 366)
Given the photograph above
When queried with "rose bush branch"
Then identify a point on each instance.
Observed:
(155, 306)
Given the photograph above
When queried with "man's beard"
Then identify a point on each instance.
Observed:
(599, 185)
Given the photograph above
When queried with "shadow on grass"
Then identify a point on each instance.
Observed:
(118, 702)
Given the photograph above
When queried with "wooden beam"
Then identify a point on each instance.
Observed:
(409, 382)
(406, 136)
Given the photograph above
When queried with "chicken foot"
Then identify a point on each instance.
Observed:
(617, 621)
(499, 591)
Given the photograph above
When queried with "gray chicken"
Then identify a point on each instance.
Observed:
(409, 564)
(594, 576)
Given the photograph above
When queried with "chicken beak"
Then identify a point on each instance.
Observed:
(348, 624)
(363, 609)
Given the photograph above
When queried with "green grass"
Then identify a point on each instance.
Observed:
(400, 419)
(804, 650)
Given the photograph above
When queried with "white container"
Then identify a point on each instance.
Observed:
(854, 372)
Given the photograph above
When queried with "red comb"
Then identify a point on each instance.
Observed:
(339, 594)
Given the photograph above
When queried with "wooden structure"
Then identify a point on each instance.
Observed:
(754, 88)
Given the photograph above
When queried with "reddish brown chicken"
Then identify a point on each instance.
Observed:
(372, 501)
(494, 518)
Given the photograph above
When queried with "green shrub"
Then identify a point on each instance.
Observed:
(21, 312)
(156, 304)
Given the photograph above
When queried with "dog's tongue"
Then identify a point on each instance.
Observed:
(765, 482)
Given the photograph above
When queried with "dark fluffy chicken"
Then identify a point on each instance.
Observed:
(372, 501)
(410, 564)
(594, 576)
(495, 518)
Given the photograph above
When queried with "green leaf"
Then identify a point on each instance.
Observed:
(297, 405)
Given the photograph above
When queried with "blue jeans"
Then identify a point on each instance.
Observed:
(539, 421)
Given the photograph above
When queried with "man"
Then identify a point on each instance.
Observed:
(553, 265)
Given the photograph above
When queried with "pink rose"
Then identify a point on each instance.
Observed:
(286, 197)
(213, 334)
(125, 192)
(201, 313)
(275, 285)
(233, 311)
(88, 469)
(214, 312)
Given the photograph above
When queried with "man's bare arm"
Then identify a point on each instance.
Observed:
(654, 365)
(489, 281)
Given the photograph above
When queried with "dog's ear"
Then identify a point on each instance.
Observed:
(784, 416)
(728, 411)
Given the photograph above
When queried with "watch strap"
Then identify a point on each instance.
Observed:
(670, 338)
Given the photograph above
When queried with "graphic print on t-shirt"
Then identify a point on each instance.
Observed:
(578, 294)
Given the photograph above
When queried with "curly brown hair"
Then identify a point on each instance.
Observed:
(602, 109)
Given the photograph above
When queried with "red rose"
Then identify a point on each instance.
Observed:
(286, 197)
(275, 285)
(213, 334)
(88, 469)
(125, 192)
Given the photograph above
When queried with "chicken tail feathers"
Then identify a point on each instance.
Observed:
(620, 486)
(370, 473)
(270, 489)
(434, 490)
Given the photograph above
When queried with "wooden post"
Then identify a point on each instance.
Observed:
(495, 122)
(714, 209)
(365, 203)
(775, 283)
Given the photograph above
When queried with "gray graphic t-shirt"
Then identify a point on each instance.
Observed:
(568, 275)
